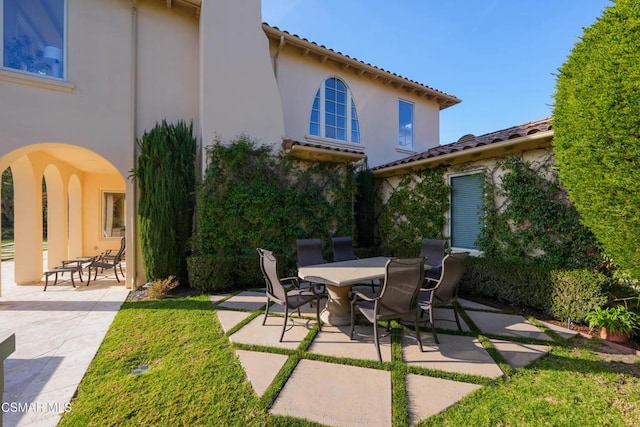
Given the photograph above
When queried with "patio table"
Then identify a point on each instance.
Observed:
(339, 277)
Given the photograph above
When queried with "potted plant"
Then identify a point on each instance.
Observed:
(616, 323)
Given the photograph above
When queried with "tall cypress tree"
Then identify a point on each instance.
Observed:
(166, 180)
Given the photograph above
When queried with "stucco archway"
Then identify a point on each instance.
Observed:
(76, 179)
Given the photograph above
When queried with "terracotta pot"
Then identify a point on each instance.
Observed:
(613, 336)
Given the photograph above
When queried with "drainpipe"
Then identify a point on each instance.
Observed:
(133, 246)
(275, 56)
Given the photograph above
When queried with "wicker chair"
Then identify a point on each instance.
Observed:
(398, 297)
(292, 298)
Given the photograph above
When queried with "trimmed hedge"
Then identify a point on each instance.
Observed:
(563, 294)
(209, 273)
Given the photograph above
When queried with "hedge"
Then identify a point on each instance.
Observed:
(561, 293)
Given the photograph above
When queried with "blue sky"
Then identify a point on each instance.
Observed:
(498, 56)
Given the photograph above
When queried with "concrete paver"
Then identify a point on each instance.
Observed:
(261, 368)
(254, 333)
(517, 354)
(455, 353)
(428, 396)
(228, 319)
(335, 341)
(336, 395)
(507, 325)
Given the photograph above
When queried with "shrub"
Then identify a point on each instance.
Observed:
(576, 293)
(563, 294)
(252, 198)
(597, 130)
(210, 273)
(160, 288)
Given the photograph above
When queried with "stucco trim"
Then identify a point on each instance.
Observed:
(36, 82)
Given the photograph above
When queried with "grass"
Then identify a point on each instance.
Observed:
(195, 379)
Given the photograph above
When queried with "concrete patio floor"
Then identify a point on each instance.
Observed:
(57, 332)
(336, 387)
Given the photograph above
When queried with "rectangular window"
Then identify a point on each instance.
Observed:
(466, 210)
(113, 214)
(33, 35)
(405, 124)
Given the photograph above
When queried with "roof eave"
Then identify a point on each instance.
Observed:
(515, 145)
(444, 100)
(323, 155)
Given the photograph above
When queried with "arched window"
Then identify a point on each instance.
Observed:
(333, 114)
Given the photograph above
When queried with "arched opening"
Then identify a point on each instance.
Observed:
(57, 194)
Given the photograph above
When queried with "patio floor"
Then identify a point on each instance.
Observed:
(336, 386)
(58, 333)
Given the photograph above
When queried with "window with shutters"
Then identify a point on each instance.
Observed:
(466, 210)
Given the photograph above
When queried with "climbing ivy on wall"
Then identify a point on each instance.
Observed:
(416, 209)
(533, 222)
(253, 198)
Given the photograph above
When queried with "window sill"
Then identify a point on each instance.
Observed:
(35, 81)
(335, 143)
(406, 151)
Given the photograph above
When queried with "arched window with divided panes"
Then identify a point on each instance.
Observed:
(333, 114)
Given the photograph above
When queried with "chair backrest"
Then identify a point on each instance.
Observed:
(446, 289)
(121, 250)
(433, 251)
(309, 252)
(269, 268)
(402, 281)
(343, 248)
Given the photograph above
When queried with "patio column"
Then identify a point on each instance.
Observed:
(28, 221)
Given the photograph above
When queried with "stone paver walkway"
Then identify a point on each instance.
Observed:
(338, 392)
(57, 334)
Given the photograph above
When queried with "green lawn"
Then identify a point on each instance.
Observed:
(195, 380)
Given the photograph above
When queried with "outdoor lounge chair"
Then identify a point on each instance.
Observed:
(292, 298)
(107, 260)
(444, 291)
(398, 297)
(433, 252)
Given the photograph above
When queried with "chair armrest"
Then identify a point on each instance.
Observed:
(295, 281)
(360, 295)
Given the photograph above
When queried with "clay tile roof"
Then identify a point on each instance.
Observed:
(469, 141)
(445, 100)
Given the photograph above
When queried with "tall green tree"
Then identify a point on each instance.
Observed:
(7, 202)
(166, 178)
(597, 130)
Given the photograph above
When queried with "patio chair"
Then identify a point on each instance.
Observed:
(107, 260)
(444, 291)
(398, 297)
(290, 298)
(343, 251)
(433, 251)
(108, 257)
(309, 252)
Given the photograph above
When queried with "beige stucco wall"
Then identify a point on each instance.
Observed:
(99, 107)
(299, 78)
(488, 165)
(238, 89)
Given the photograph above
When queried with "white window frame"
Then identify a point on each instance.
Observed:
(472, 251)
(30, 74)
(413, 116)
(323, 111)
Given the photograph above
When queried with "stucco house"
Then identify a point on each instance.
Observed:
(81, 80)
